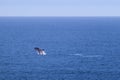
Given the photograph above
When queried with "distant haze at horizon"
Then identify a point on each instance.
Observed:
(60, 8)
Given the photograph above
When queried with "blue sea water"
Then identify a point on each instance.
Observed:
(78, 48)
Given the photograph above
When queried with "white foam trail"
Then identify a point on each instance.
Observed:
(78, 54)
(81, 55)
(93, 56)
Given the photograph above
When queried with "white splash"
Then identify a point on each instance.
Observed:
(43, 53)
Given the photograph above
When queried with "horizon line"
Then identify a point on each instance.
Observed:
(59, 16)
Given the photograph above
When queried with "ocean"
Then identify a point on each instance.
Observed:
(78, 48)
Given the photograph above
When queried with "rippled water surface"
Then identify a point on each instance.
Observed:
(83, 48)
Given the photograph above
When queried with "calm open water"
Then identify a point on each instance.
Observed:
(78, 48)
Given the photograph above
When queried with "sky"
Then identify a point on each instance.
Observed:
(59, 7)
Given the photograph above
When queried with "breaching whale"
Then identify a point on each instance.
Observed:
(40, 51)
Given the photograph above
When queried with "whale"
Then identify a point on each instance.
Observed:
(40, 51)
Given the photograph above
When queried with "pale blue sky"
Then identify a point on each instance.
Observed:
(59, 7)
